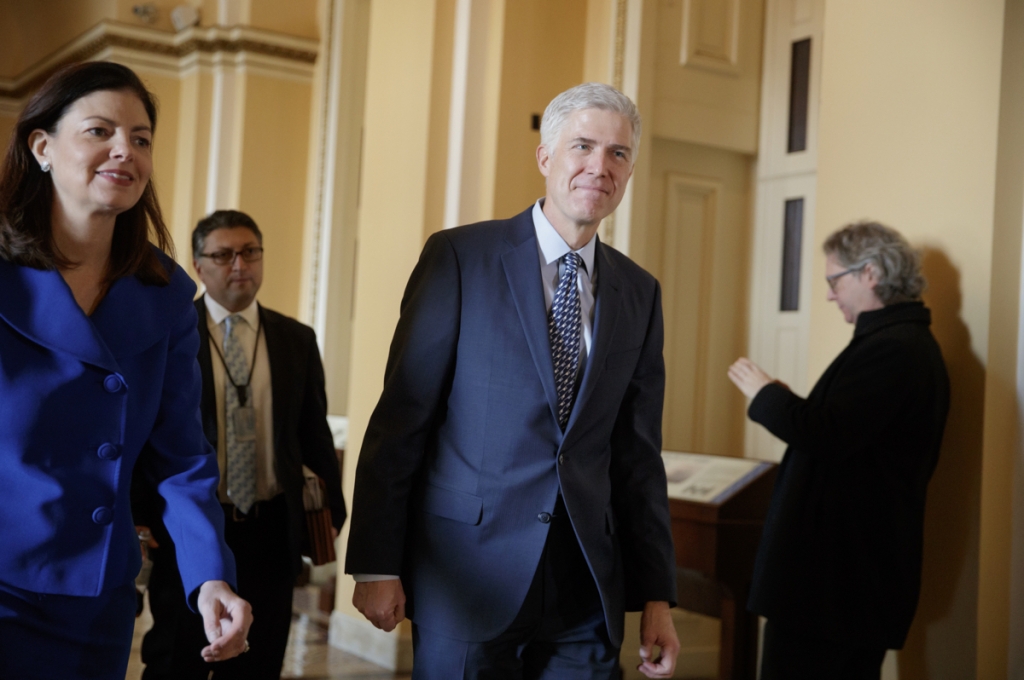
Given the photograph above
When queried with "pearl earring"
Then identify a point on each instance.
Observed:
(45, 166)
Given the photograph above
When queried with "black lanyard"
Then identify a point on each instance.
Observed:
(243, 390)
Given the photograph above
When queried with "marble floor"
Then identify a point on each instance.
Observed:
(309, 655)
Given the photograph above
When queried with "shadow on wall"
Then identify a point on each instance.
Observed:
(942, 642)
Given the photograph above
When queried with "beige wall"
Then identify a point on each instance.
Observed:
(598, 57)
(698, 238)
(6, 128)
(294, 17)
(908, 135)
(707, 86)
(193, 148)
(543, 55)
(165, 149)
(392, 224)
(272, 185)
(30, 31)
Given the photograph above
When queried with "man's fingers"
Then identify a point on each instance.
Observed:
(661, 667)
(381, 602)
(387, 619)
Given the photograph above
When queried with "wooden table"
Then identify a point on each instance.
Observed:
(716, 526)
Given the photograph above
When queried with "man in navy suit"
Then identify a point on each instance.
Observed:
(510, 495)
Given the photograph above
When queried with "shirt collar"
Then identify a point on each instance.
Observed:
(217, 312)
(553, 246)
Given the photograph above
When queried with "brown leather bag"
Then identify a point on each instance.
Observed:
(319, 546)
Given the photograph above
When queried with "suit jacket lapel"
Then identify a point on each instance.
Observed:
(522, 269)
(279, 384)
(208, 405)
(128, 334)
(607, 303)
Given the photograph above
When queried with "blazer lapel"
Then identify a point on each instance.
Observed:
(208, 404)
(39, 305)
(279, 384)
(129, 334)
(607, 303)
(522, 269)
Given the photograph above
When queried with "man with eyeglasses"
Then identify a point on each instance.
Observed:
(839, 567)
(264, 408)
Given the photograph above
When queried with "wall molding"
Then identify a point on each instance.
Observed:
(607, 228)
(173, 53)
(721, 53)
(702, 194)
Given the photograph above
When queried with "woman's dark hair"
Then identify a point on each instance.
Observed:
(26, 192)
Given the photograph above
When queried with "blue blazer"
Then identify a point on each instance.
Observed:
(80, 398)
(463, 451)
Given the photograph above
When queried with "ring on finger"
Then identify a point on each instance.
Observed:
(246, 648)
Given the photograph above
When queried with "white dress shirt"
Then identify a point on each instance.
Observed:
(550, 248)
(266, 479)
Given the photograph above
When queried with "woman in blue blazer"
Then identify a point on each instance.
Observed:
(98, 372)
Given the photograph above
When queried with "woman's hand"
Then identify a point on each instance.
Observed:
(748, 376)
(227, 618)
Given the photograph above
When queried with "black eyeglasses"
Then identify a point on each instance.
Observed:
(835, 277)
(222, 257)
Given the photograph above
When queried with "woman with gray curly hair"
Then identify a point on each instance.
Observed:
(838, 571)
(876, 251)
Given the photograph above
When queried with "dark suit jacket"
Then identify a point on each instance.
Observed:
(463, 452)
(301, 433)
(840, 555)
(81, 397)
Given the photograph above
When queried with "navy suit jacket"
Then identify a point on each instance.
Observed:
(81, 397)
(464, 451)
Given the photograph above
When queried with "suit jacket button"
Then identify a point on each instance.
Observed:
(112, 383)
(544, 517)
(561, 459)
(108, 451)
(102, 516)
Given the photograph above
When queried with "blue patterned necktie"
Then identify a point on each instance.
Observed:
(564, 333)
(241, 451)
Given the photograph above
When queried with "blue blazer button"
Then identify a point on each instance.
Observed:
(544, 517)
(102, 516)
(112, 383)
(108, 451)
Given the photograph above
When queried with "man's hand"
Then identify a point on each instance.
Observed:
(227, 618)
(381, 602)
(748, 376)
(657, 630)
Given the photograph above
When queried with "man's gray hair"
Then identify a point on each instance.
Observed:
(587, 96)
(897, 264)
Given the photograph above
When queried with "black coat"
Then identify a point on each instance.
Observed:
(301, 433)
(840, 556)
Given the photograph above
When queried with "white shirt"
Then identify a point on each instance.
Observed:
(550, 248)
(266, 479)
